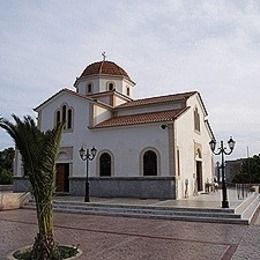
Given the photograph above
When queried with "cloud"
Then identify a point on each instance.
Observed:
(166, 46)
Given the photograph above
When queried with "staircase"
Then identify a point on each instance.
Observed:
(243, 214)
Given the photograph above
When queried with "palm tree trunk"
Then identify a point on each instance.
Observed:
(44, 247)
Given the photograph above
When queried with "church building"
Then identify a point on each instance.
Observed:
(155, 147)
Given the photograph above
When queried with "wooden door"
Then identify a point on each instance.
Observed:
(62, 177)
(199, 175)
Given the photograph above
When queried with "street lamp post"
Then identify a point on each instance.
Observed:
(87, 155)
(222, 151)
(218, 171)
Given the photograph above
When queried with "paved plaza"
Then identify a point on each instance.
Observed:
(114, 238)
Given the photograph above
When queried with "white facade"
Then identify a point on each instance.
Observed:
(125, 130)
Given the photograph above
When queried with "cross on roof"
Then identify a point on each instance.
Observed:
(104, 55)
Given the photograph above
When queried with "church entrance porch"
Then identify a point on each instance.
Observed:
(62, 177)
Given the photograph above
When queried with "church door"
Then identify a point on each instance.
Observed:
(199, 175)
(62, 177)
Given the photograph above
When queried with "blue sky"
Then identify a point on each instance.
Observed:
(165, 46)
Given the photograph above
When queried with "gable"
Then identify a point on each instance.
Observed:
(69, 93)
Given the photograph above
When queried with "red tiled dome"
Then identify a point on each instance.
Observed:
(105, 68)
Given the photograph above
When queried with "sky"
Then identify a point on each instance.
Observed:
(165, 46)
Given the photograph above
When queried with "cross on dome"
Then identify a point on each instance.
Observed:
(104, 55)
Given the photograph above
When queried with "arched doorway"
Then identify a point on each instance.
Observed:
(150, 163)
(105, 165)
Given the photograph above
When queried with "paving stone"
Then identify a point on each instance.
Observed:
(116, 238)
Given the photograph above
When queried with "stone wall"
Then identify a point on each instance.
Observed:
(131, 187)
(135, 187)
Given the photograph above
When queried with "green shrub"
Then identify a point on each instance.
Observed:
(5, 177)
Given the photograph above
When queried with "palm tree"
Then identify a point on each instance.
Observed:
(39, 152)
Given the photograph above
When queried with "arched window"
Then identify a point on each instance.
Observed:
(89, 88)
(110, 86)
(105, 165)
(64, 114)
(69, 118)
(64, 109)
(57, 117)
(196, 120)
(150, 163)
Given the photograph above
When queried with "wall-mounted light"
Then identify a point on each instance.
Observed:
(164, 126)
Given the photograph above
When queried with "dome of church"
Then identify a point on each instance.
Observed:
(105, 68)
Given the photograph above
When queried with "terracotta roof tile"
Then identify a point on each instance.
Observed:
(106, 68)
(159, 99)
(144, 118)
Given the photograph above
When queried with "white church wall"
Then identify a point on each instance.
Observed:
(101, 84)
(184, 144)
(148, 109)
(79, 105)
(104, 84)
(126, 144)
(125, 85)
(187, 139)
(203, 138)
(105, 99)
(100, 114)
(80, 118)
(118, 100)
(83, 86)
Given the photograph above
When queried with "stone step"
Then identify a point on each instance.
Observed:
(243, 214)
(250, 211)
(151, 216)
(244, 204)
(130, 206)
(157, 211)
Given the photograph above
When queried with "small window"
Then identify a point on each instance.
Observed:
(196, 120)
(69, 119)
(89, 88)
(128, 91)
(64, 109)
(57, 117)
(111, 86)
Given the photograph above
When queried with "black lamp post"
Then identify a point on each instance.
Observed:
(218, 171)
(87, 155)
(222, 151)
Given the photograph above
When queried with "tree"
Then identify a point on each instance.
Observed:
(250, 171)
(39, 152)
(6, 159)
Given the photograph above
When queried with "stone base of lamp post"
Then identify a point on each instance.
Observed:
(225, 204)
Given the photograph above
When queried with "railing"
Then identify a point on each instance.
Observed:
(244, 189)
